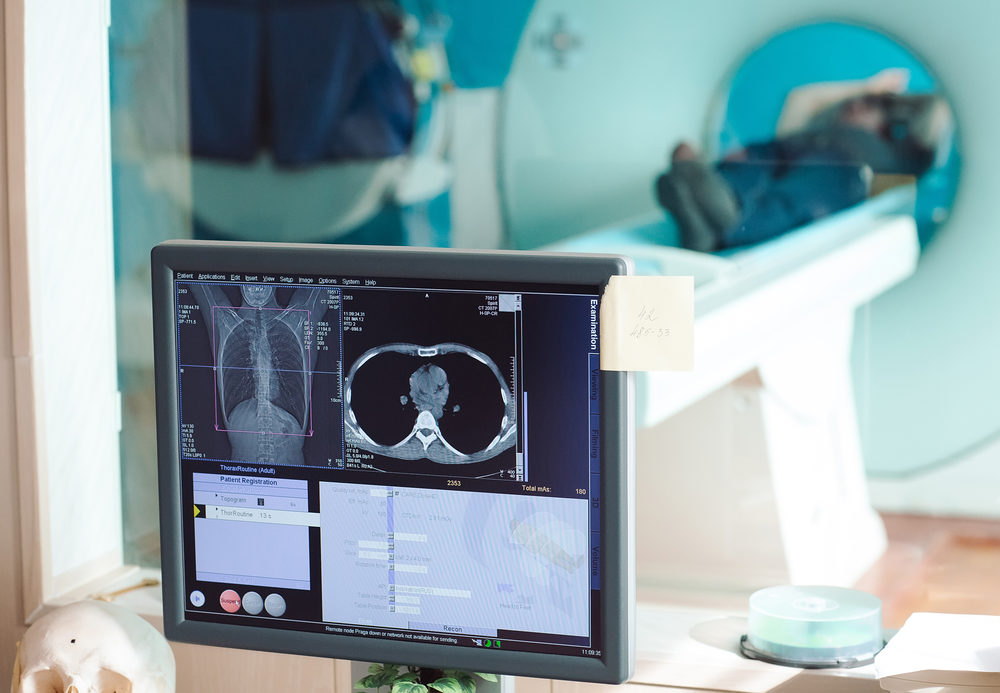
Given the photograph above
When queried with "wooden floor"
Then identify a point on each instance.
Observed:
(937, 564)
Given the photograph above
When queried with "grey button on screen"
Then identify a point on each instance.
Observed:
(275, 605)
(253, 603)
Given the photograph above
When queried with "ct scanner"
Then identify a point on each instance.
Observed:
(752, 468)
(569, 138)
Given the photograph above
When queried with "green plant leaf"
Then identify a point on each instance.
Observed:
(408, 687)
(409, 676)
(388, 675)
(364, 683)
(464, 678)
(492, 678)
(448, 684)
(379, 675)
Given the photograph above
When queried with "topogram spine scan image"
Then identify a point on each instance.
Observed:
(263, 356)
(439, 373)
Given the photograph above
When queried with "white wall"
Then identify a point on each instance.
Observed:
(581, 146)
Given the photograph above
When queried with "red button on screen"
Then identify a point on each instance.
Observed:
(230, 601)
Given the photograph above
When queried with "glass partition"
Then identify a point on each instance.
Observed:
(842, 423)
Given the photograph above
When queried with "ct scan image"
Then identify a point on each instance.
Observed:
(452, 392)
(430, 390)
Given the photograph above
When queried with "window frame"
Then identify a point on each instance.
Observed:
(57, 204)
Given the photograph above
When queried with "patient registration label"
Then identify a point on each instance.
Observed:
(647, 324)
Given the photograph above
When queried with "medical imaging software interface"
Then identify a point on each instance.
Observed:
(401, 459)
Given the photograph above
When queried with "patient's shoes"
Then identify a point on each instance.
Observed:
(701, 201)
(683, 152)
(712, 193)
(676, 197)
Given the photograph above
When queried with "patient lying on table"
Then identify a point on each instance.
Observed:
(830, 139)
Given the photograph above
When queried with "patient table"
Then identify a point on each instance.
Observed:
(749, 468)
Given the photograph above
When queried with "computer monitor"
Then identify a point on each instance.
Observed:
(394, 455)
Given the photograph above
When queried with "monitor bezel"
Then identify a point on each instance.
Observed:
(617, 449)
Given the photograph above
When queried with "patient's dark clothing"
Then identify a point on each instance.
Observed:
(782, 184)
(791, 182)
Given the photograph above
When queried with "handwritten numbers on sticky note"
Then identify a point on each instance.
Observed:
(647, 324)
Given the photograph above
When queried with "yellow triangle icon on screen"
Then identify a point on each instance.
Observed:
(197, 512)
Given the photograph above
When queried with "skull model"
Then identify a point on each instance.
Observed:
(93, 647)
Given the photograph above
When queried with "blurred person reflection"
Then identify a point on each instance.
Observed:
(301, 118)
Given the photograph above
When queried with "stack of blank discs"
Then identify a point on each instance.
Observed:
(813, 627)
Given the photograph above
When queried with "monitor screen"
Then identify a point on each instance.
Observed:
(402, 455)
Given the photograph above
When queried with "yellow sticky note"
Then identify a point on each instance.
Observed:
(647, 324)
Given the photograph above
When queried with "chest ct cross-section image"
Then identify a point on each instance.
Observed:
(436, 397)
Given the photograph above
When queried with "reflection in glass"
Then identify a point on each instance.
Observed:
(233, 137)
